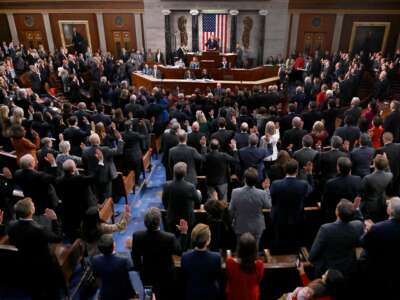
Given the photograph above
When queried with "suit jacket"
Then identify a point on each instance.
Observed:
(287, 196)
(188, 155)
(373, 194)
(327, 163)
(361, 158)
(159, 60)
(246, 209)
(109, 171)
(254, 157)
(305, 155)
(224, 137)
(133, 147)
(347, 187)
(152, 253)
(334, 247)
(293, 136)
(179, 199)
(217, 167)
(392, 124)
(75, 136)
(242, 139)
(392, 151)
(382, 245)
(39, 186)
(194, 140)
(168, 141)
(202, 270)
(113, 271)
(310, 118)
(348, 133)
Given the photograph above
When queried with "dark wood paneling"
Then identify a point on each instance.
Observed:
(308, 24)
(30, 23)
(5, 34)
(111, 25)
(344, 4)
(91, 18)
(348, 25)
(73, 4)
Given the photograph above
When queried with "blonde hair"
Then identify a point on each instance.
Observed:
(200, 117)
(270, 128)
(17, 116)
(318, 127)
(100, 129)
(4, 120)
(201, 235)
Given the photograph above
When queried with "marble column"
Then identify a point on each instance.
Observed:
(337, 32)
(294, 33)
(233, 40)
(263, 16)
(139, 31)
(195, 32)
(102, 35)
(49, 33)
(13, 28)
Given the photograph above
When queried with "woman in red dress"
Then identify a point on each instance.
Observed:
(245, 272)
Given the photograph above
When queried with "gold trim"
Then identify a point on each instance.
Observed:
(373, 24)
(84, 22)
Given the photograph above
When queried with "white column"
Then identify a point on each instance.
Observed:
(139, 31)
(49, 33)
(13, 28)
(294, 32)
(337, 32)
(102, 36)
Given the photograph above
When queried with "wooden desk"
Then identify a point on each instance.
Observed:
(214, 56)
(188, 86)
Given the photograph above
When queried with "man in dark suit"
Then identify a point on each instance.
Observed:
(242, 137)
(362, 156)
(113, 271)
(253, 157)
(37, 185)
(382, 246)
(292, 138)
(392, 152)
(195, 137)
(169, 139)
(179, 198)
(76, 196)
(75, 135)
(344, 186)
(285, 121)
(152, 251)
(223, 135)
(349, 132)
(99, 116)
(305, 154)
(95, 156)
(327, 161)
(311, 116)
(32, 241)
(159, 57)
(189, 155)
(335, 244)
(392, 121)
(373, 190)
(217, 169)
(212, 43)
(287, 213)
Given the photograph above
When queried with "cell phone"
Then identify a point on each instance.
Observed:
(148, 293)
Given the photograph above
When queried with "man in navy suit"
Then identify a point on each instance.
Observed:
(362, 156)
(113, 271)
(382, 247)
(345, 186)
(287, 196)
(253, 157)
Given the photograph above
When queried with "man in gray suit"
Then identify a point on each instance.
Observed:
(189, 155)
(335, 244)
(247, 204)
(373, 190)
(96, 155)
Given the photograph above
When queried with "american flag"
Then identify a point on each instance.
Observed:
(215, 24)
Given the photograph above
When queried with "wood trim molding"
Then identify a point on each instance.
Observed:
(121, 5)
(346, 11)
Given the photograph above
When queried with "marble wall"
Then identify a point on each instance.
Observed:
(276, 27)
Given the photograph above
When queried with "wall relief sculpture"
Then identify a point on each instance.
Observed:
(247, 27)
(182, 29)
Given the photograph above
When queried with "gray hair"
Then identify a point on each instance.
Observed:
(152, 218)
(64, 147)
(394, 205)
(94, 139)
(180, 170)
(68, 165)
(26, 162)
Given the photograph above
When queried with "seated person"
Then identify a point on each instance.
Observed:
(147, 70)
(212, 43)
(113, 270)
(194, 64)
(180, 63)
(225, 64)
(205, 75)
(189, 75)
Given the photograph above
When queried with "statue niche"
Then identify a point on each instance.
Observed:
(182, 29)
(247, 26)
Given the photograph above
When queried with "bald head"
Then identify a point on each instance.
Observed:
(296, 122)
(244, 127)
(195, 127)
(27, 162)
(69, 166)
